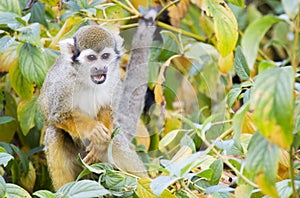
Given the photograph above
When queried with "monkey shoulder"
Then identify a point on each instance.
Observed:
(56, 93)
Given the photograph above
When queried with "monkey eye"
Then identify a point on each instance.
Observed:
(91, 57)
(105, 55)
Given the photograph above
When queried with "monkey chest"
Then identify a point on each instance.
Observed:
(90, 101)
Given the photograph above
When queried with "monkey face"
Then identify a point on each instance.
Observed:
(98, 65)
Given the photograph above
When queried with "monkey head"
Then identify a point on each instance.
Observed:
(94, 52)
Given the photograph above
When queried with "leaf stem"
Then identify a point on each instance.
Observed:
(166, 26)
(295, 49)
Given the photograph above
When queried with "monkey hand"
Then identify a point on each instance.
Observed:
(99, 140)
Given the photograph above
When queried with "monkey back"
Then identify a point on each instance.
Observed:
(93, 37)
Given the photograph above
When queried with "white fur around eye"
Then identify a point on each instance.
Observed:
(109, 51)
(84, 53)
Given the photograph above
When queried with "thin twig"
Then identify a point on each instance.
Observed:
(126, 8)
(132, 7)
(166, 7)
(113, 20)
(292, 176)
(186, 33)
(221, 122)
(133, 25)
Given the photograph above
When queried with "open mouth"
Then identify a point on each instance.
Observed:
(99, 78)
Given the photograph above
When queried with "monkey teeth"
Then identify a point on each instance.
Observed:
(98, 79)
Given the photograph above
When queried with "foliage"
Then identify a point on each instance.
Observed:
(225, 113)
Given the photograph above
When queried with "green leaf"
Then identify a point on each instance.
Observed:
(171, 139)
(23, 158)
(265, 64)
(30, 34)
(237, 2)
(225, 25)
(83, 188)
(32, 63)
(217, 166)
(207, 173)
(5, 158)
(170, 45)
(253, 35)
(291, 7)
(218, 188)
(15, 191)
(272, 99)
(38, 13)
(232, 96)
(26, 114)
(5, 42)
(20, 84)
(112, 179)
(201, 55)
(238, 120)
(96, 2)
(50, 56)
(262, 161)
(243, 190)
(82, 3)
(240, 64)
(6, 119)
(44, 194)
(188, 141)
(7, 130)
(2, 187)
(284, 188)
(10, 6)
(159, 184)
(95, 168)
(9, 19)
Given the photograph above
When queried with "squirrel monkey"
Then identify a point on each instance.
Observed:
(77, 101)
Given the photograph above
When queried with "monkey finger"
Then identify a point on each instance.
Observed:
(101, 135)
(90, 158)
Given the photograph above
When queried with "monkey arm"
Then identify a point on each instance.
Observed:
(77, 125)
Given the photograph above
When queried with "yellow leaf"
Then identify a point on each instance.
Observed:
(158, 94)
(225, 25)
(178, 12)
(248, 126)
(67, 30)
(137, 3)
(225, 63)
(265, 186)
(50, 2)
(142, 136)
(171, 123)
(144, 190)
(28, 180)
(9, 58)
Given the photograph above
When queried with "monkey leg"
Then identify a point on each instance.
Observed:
(61, 154)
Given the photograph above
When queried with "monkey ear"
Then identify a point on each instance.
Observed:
(119, 41)
(67, 48)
